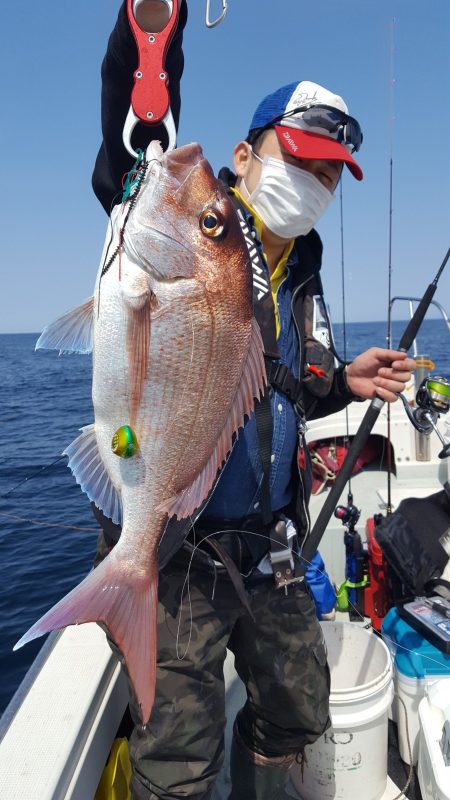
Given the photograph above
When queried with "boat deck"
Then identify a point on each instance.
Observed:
(57, 732)
(60, 754)
(397, 769)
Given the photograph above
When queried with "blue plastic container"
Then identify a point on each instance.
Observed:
(414, 655)
(417, 664)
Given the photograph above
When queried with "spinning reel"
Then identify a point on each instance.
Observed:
(433, 399)
(349, 514)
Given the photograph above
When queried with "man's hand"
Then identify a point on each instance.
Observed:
(379, 372)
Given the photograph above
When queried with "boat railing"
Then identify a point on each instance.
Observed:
(24, 687)
(60, 725)
(411, 301)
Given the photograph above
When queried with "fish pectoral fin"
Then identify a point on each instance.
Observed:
(251, 386)
(138, 348)
(123, 604)
(90, 473)
(71, 333)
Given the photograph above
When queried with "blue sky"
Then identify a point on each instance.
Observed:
(53, 227)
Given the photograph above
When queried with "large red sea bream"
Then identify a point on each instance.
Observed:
(177, 363)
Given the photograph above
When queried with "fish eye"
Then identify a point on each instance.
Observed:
(211, 224)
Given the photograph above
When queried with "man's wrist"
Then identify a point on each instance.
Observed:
(344, 388)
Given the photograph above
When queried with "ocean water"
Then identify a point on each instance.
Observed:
(47, 532)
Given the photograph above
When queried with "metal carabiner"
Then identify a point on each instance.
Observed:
(150, 101)
(212, 23)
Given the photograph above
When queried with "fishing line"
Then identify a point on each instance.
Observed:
(113, 203)
(33, 475)
(180, 615)
(384, 449)
(342, 361)
(391, 171)
(402, 793)
(131, 203)
(389, 320)
(46, 524)
(414, 652)
(186, 583)
(369, 625)
(193, 341)
(344, 319)
(187, 578)
(42, 523)
(129, 197)
(300, 559)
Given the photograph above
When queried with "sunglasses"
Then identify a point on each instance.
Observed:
(329, 119)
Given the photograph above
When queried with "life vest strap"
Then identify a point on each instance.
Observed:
(282, 378)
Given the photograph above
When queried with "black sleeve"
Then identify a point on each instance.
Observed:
(338, 398)
(119, 64)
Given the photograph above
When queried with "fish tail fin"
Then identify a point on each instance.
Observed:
(126, 607)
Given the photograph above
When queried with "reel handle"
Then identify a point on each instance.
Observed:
(445, 452)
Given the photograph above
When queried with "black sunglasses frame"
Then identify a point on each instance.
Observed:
(347, 126)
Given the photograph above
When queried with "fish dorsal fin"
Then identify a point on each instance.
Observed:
(251, 386)
(90, 473)
(71, 333)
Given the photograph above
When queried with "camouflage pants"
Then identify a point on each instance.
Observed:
(280, 656)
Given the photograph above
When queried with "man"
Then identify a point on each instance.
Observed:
(256, 519)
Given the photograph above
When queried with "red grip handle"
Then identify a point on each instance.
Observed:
(150, 96)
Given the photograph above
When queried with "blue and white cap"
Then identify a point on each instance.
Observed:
(311, 122)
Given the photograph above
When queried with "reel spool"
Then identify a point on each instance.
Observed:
(433, 399)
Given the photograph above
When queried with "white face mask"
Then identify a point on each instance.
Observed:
(288, 199)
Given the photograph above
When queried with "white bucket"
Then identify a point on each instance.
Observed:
(350, 759)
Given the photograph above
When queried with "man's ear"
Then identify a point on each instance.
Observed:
(242, 155)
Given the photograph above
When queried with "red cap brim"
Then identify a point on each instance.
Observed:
(302, 144)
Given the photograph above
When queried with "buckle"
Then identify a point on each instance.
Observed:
(281, 558)
(300, 411)
(283, 569)
(284, 381)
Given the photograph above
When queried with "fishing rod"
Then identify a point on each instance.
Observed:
(389, 342)
(349, 514)
(389, 319)
(344, 316)
(365, 428)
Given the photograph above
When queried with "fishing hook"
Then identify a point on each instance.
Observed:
(212, 23)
